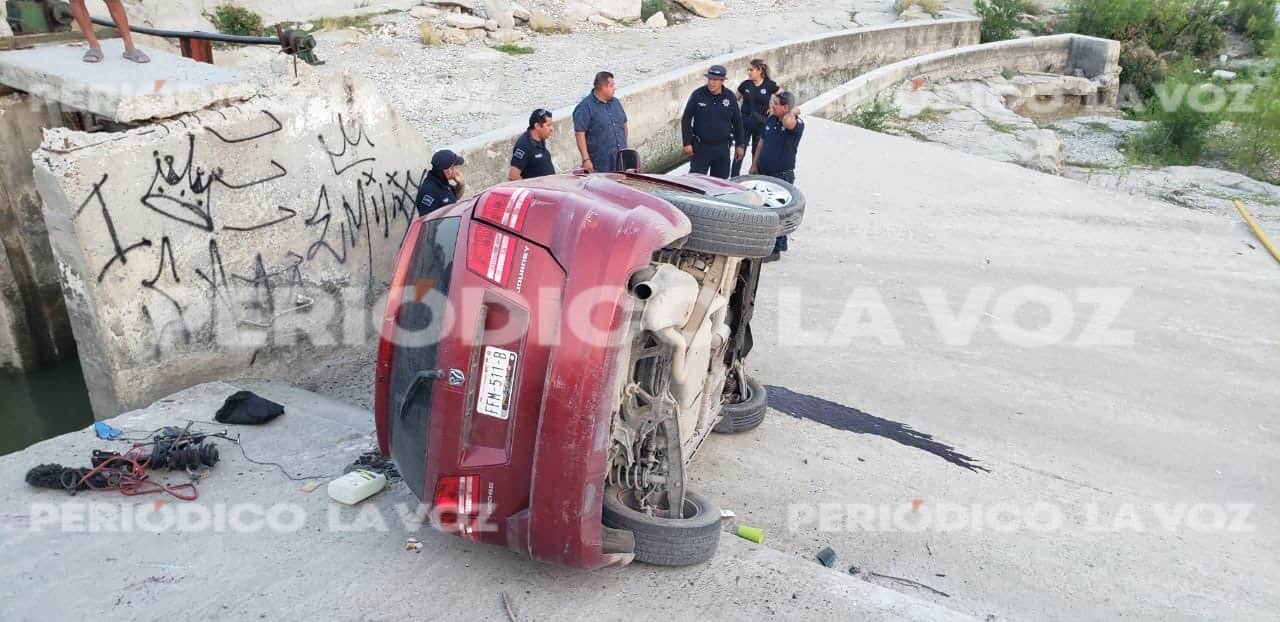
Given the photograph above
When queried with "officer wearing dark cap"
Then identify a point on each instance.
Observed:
(530, 158)
(444, 183)
(711, 123)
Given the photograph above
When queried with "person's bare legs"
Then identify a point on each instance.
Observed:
(118, 15)
(81, 13)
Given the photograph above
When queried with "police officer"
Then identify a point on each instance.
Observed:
(755, 93)
(711, 123)
(530, 157)
(444, 183)
(775, 154)
(600, 126)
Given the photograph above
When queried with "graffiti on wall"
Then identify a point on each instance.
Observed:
(225, 236)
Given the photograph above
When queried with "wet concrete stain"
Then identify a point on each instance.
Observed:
(843, 417)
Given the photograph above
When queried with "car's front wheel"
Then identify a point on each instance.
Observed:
(777, 195)
(690, 539)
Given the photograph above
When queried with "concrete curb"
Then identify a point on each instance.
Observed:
(1094, 57)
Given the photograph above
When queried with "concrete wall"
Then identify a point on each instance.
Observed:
(1098, 59)
(29, 283)
(236, 240)
(807, 67)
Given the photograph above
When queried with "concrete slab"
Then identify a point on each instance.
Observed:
(118, 89)
(329, 567)
(1160, 456)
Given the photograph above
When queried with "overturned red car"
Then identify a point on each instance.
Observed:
(555, 351)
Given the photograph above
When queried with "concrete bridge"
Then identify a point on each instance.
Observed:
(1124, 469)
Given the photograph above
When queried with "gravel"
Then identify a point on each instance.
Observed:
(451, 92)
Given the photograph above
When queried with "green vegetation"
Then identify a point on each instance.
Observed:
(344, 22)
(1255, 144)
(877, 116)
(1256, 19)
(1182, 116)
(930, 115)
(1003, 128)
(513, 49)
(999, 18)
(653, 7)
(234, 20)
(1008, 74)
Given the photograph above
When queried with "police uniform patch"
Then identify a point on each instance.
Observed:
(726, 103)
(429, 200)
(519, 154)
(764, 92)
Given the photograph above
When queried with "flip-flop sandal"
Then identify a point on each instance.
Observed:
(137, 56)
(92, 55)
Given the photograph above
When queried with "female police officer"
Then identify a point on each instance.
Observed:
(754, 93)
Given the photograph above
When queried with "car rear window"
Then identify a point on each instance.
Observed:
(429, 271)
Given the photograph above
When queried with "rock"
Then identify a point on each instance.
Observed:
(464, 22)
(501, 12)
(424, 12)
(1045, 152)
(703, 8)
(625, 11)
(519, 12)
(491, 25)
(541, 22)
(454, 36)
(454, 5)
(1195, 187)
(5, 31)
(657, 20)
(600, 20)
(1223, 74)
(914, 13)
(477, 33)
(504, 36)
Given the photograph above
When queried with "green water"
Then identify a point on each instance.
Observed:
(42, 405)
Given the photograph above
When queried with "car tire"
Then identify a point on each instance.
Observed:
(667, 541)
(747, 414)
(727, 228)
(778, 195)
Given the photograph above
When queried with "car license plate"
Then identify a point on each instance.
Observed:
(495, 392)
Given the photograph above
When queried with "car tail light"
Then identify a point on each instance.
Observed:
(457, 506)
(506, 207)
(490, 253)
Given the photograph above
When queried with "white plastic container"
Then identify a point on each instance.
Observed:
(356, 486)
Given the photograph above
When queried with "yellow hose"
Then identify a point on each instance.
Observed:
(1248, 218)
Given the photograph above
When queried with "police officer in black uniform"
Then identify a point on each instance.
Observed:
(711, 123)
(436, 190)
(755, 92)
(530, 157)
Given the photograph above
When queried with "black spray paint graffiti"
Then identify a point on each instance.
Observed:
(187, 196)
(349, 209)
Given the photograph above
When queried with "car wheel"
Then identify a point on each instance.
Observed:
(727, 228)
(666, 541)
(778, 195)
(747, 414)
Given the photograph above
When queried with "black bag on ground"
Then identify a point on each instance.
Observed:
(247, 408)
